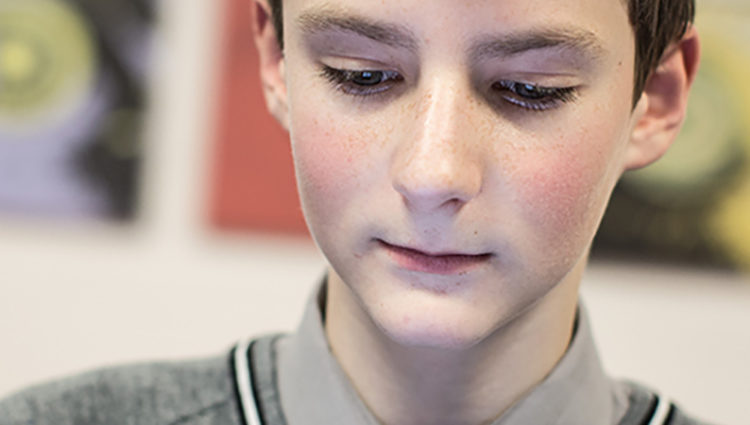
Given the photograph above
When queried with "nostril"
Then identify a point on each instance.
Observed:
(426, 195)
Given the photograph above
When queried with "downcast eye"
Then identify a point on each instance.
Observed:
(533, 97)
(524, 90)
(529, 91)
(362, 82)
(367, 78)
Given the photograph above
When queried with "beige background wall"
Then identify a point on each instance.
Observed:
(83, 296)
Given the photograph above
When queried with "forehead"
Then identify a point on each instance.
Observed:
(416, 23)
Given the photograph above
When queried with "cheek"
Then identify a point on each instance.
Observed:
(328, 161)
(563, 190)
(320, 163)
(556, 189)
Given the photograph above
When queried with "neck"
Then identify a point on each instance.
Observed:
(424, 385)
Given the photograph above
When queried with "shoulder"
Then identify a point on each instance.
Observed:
(647, 406)
(185, 393)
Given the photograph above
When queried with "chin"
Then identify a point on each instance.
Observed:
(428, 321)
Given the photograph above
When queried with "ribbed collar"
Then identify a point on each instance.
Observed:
(315, 390)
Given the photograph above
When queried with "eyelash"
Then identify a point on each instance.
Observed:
(345, 80)
(527, 96)
(533, 97)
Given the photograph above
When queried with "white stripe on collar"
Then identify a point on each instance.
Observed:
(662, 410)
(242, 370)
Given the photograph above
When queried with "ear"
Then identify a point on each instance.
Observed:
(661, 110)
(271, 60)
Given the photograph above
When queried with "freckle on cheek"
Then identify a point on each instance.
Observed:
(329, 159)
(555, 191)
(315, 158)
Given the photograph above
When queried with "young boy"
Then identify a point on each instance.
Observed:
(454, 160)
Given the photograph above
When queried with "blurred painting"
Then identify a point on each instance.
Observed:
(253, 187)
(693, 205)
(72, 98)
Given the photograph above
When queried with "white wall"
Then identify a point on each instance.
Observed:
(82, 296)
(684, 332)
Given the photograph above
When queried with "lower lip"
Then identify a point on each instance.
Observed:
(451, 264)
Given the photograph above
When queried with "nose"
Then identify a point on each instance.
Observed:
(439, 166)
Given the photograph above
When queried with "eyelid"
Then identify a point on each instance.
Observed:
(359, 62)
(343, 80)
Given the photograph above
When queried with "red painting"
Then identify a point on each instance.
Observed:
(253, 184)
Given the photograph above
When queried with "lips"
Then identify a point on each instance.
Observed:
(434, 263)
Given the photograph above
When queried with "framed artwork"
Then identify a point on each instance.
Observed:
(693, 205)
(72, 98)
(253, 187)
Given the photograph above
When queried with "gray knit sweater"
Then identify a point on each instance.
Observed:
(189, 393)
(180, 393)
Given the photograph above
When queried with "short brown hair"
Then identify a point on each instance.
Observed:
(656, 24)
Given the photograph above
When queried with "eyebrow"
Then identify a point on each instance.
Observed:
(577, 41)
(328, 19)
(581, 43)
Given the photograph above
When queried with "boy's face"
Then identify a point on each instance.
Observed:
(463, 175)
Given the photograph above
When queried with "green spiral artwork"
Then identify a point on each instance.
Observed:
(47, 58)
(73, 77)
